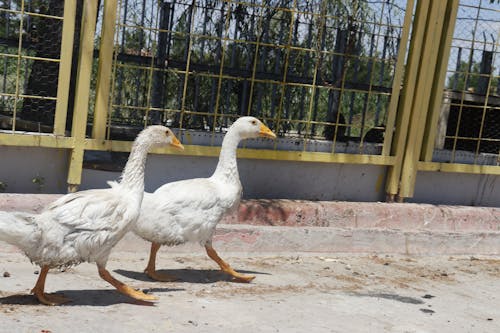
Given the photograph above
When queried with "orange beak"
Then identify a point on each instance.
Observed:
(176, 143)
(266, 132)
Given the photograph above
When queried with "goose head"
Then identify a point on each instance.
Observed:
(157, 136)
(251, 127)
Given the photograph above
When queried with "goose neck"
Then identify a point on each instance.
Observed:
(227, 168)
(133, 173)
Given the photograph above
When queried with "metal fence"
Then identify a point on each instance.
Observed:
(463, 122)
(469, 124)
(30, 49)
(319, 70)
(322, 71)
(412, 85)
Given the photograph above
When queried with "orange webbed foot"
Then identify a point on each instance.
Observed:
(242, 278)
(49, 299)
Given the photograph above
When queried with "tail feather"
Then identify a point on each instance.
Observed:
(17, 228)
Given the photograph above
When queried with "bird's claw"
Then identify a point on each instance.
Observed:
(242, 278)
(50, 299)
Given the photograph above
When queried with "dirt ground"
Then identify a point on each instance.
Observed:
(308, 292)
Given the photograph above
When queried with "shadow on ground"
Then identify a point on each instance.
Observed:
(102, 297)
(187, 275)
(393, 297)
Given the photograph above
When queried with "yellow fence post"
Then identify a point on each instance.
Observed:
(398, 77)
(82, 93)
(104, 70)
(63, 82)
(407, 96)
(420, 105)
(437, 91)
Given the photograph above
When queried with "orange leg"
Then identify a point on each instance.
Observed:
(38, 290)
(225, 266)
(151, 268)
(123, 288)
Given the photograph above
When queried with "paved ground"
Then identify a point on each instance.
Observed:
(293, 292)
(431, 286)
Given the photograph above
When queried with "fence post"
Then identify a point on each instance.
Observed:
(436, 99)
(63, 82)
(420, 105)
(407, 97)
(104, 70)
(397, 82)
(82, 92)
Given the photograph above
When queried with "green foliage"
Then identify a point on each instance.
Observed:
(468, 80)
(459, 78)
(39, 182)
(364, 73)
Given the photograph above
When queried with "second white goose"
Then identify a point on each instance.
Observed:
(189, 210)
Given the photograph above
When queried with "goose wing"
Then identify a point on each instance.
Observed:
(195, 194)
(86, 223)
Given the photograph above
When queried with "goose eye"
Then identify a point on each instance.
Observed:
(254, 122)
(167, 133)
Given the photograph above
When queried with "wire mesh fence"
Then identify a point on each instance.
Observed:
(469, 128)
(325, 75)
(317, 70)
(30, 46)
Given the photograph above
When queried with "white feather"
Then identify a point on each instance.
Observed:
(189, 210)
(186, 211)
(18, 228)
(84, 226)
(78, 227)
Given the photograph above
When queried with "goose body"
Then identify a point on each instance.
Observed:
(86, 225)
(189, 210)
(82, 226)
(192, 216)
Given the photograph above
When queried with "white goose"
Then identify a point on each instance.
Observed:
(189, 210)
(84, 226)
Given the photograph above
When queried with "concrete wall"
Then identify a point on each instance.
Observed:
(457, 189)
(260, 178)
(266, 179)
(20, 165)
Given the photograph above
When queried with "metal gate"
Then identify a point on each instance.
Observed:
(366, 82)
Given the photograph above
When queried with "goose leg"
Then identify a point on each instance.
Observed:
(151, 268)
(38, 290)
(225, 266)
(123, 288)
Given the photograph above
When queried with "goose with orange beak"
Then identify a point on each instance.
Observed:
(189, 210)
(85, 226)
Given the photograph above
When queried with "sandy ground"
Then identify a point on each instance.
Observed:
(306, 292)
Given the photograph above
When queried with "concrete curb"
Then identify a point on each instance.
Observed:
(247, 238)
(340, 214)
(350, 227)
(328, 239)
